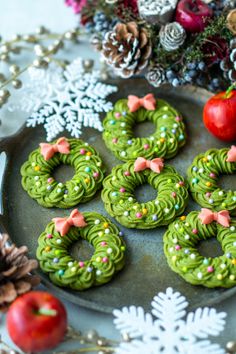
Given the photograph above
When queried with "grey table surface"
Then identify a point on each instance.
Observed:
(23, 17)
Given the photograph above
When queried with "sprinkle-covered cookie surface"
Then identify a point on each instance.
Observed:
(165, 142)
(37, 173)
(180, 247)
(203, 177)
(65, 271)
(119, 198)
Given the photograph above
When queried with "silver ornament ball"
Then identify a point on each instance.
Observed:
(231, 347)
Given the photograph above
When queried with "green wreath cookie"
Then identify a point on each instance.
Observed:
(180, 247)
(118, 125)
(118, 194)
(38, 181)
(203, 177)
(65, 271)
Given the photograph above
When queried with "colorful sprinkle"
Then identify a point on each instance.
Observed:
(177, 206)
(219, 276)
(146, 146)
(192, 256)
(122, 190)
(232, 277)
(195, 169)
(107, 231)
(195, 180)
(212, 175)
(208, 184)
(37, 168)
(89, 269)
(112, 122)
(211, 201)
(210, 269)
(117, 114)
(97, 222)
(177, 247)
(178, 119)
(115, 140)
(49, 236)
(205, 261)
(127, 173)
(114, 194)
(109, 250)
(232, 228)
(208, 194)
(181, 183)
(154, 217)
(55, 260)
(121, 234)
(144, 211)
(87, 169)
(89, 153)
(123, 153)
(96, 174)
(82, 152)
(199, 275)
(234, 261)
(195, 231)
(104, 260)
(61, 272)
(47, 249)
(173, 194)
(228, 255)
(70, 264)
(139, 215)
(126, 213)
(98, 272)
(81, 264)
(87, 180)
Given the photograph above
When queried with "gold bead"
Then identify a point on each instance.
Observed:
(14, 69)
(5, 48)
(30, 38)
(2, 78)
(231, 346)
(4, 57)
(16, 37)
(4, 93)
(17, 84)
(88, 64)
(42, 30)
(69, 35)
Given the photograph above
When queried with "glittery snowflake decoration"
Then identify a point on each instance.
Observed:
(165, 330)
(65, 100)
(39, 87)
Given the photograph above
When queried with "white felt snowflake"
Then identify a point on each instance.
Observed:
(65, 100)
(39, 87)
(165, 330)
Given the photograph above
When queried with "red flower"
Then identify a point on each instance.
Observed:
(214, 49)
(124, 5)
(77, 5)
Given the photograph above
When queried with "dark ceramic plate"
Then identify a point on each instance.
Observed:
(146, 271)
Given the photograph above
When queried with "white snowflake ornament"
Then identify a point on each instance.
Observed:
(165, 330)
(69, 101)
(39, 87)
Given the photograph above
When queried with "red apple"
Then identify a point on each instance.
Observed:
(36, 321)
(193, 15)
(219, 115)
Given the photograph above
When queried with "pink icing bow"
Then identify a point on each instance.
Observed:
(148, 102)
(156, 165)
(62, 225)
(231, 156)
(48, 150)
(207, 216)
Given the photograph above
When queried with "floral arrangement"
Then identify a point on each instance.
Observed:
(168, 41)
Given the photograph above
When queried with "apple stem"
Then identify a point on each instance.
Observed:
(46, 312)
(229, 90)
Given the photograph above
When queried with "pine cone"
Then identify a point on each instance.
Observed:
(172, 36)
(15, 268)
(127, 49)
(157, 11)
(156, 75)
(228, 65)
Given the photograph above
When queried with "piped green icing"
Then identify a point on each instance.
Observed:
(180, 248)
(204, 188)
(63, 270)
(124, 207)
(165, 142)
(37, 177)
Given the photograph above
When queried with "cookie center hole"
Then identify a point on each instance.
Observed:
(210, 248)
(227, 182)
(63, 173)
(81, 250)
(145, 193)
(144, 129)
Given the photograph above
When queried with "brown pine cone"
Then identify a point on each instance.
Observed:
(127, 49)
(15, 268)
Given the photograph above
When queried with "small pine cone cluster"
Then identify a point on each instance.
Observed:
(127, 49)
(228, 65)
(156, 75)
(172, 36)
(15, 268)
